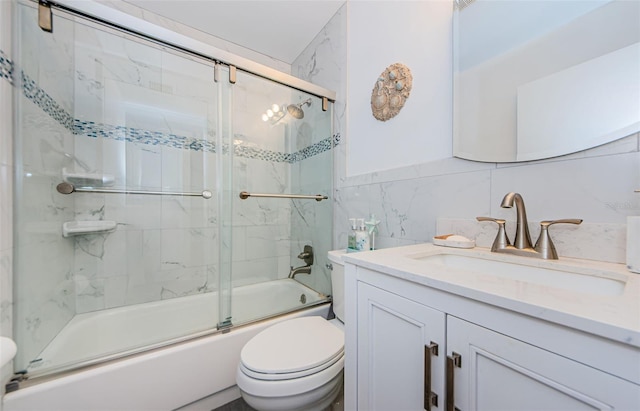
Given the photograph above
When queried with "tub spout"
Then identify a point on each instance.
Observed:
(305, 269)
(307, 256)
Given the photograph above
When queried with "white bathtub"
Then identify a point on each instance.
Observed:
(166, 378)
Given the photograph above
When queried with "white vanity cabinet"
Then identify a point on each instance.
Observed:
(411, 340)
(497, 372)
(400, 352)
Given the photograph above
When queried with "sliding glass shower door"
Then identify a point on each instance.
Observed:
(130, 230)
(134, 127)
(282, 150)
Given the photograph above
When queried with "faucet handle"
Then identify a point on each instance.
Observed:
(544, 245)
(307, 255)
(547, 223)
(501, 241)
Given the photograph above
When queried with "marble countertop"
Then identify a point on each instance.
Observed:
(611, 311)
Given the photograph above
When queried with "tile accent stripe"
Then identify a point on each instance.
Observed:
(91, 129)
(140, 136)
(43, 100)
(6, 67)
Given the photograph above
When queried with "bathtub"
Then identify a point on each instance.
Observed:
(164, 378)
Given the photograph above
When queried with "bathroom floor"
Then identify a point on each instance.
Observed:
(240, 405)
(237, 405)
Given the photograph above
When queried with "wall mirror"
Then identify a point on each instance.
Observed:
(536, 79)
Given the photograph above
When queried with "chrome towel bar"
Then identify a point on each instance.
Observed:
(318, 197)
(66, 188)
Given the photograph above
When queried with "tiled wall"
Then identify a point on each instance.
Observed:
(324, 62)
(44, 298)
(418, 201)
(596, 185)
(6, 183)
(146, 116)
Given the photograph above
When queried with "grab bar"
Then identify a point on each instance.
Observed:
(67, 188)
(318, 197)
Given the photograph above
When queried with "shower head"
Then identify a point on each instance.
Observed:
(296, 110)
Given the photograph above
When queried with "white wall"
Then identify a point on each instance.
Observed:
(418, 35)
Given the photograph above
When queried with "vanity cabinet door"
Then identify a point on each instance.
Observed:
(497, 372)
(395, 361)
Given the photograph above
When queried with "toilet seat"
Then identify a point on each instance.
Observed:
(290, 387)
(288, 376)
(293, 349)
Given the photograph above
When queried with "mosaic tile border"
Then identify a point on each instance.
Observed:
(6, 67)
(43, 100)
(140, 136)
(91, 129)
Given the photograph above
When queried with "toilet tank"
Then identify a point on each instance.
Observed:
(337, 282)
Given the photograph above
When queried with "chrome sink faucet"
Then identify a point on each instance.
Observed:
(544, 247)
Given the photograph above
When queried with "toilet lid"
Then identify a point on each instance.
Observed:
(293, 346)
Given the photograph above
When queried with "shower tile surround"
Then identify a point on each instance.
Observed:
(156, 235)
(6, 185)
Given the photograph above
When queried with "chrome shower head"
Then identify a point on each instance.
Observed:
(296, 110)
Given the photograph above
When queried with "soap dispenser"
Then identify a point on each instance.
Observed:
(351, 241)
(372, 228)
(362, 237)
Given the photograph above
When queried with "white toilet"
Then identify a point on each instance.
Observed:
(297, 364)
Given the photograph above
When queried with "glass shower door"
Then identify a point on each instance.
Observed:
(130, 232)
(281, 145)
(131, 259)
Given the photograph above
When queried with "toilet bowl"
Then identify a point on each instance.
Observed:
(297, 364)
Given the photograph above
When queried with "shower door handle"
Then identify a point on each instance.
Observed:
(318, 197)
(68, 188)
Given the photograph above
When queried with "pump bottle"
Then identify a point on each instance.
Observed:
(362, 237)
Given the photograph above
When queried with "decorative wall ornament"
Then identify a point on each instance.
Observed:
(391, 91)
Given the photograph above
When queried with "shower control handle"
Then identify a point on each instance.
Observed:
(307, 255)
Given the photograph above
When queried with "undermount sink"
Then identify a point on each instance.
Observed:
(554, 274)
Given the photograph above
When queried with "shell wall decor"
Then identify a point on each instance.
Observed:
(391, 91)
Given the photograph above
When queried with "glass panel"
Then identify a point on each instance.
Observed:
(225, 195)
(104, 274)
(132, 116)
(45, 294)
(282, 145)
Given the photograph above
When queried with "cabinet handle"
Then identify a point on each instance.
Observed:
(430, 398)
(453, 360)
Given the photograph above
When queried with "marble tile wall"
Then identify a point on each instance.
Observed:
(324, 62)
(311, 221)
(6, 183)
(44, 299)
(142, 115)
(418, 201)
(147, 117)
